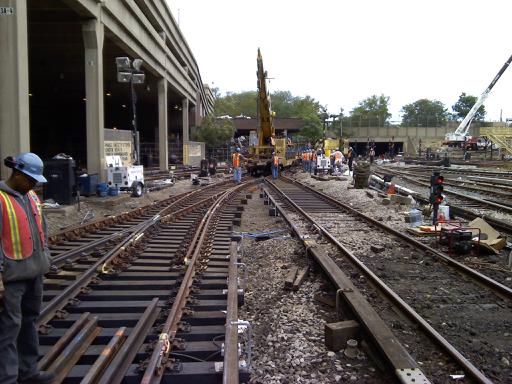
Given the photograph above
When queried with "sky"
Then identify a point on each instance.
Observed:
(341, 52)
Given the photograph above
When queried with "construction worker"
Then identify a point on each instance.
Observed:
(24, 259)
(275, 166)
(312, 163)
(338, 159)
(350, 158)
(372, 154)
(236, 162)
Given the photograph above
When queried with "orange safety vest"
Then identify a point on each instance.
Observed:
(313, 156)
(236, 160)
(16, 234)
(276, 161)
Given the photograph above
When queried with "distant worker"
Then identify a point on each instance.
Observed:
(236, 162)
(308, 160)
(24, 259)
(312, 163)
(350, 158)
(275, 166)
(304, 161)
(212, 166)
(338, 159)
(372, 155)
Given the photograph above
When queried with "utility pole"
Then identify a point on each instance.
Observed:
(341, 123)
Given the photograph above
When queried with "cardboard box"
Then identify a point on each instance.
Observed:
(494, 242)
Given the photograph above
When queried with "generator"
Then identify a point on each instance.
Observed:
(125, 178)
(323, 164)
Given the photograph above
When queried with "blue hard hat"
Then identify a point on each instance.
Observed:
(31, 165)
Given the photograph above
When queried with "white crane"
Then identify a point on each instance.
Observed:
(461, 133)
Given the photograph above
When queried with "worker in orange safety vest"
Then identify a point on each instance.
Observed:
(24, 259)
(236, 162)
(275, 166)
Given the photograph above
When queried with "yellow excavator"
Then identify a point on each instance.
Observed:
(263, 141)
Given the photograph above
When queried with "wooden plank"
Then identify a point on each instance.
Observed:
(290, 277)
(301, 276)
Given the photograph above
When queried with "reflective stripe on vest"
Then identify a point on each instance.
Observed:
(17, 241)
(236, 160)
(276, 161)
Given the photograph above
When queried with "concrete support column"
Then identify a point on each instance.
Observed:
(93, 35)
(163, 141)
(14, 108)
(185, 129)
(185, 113)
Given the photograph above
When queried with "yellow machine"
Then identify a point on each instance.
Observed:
(263, 142)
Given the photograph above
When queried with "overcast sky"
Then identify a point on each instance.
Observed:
(343, 51)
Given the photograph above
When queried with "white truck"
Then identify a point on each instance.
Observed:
(126, 178)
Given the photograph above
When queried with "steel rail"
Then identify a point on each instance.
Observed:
(473, 371)
(156, 365)
(231, 360)
(61, 300)
(116, 370)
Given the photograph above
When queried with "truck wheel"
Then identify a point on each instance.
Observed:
(137, 189)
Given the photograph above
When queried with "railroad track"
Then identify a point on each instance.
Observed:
(491, 190)
(86, 240)
(462, 204)
(463, 315)
(158, 303)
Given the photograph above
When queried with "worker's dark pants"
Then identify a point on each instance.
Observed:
(19, 340)
(275, 172)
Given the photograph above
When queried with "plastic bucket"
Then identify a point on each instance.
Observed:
(102, 189)
(443, 213)
(113, 191)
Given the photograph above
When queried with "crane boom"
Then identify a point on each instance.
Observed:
(462, 130)
(265, 124)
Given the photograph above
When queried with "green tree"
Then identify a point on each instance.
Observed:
(236, 104)
(215, 132)
(372, 111)
(462, 107)
(283, 103)
(424, 112)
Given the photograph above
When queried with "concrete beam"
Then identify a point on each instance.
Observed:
(93, 34)
(14, 87)
(136, 34)
(163, 142)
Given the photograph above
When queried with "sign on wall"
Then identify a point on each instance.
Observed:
(119, 148)
(4, 11)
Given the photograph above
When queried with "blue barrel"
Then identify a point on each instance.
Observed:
(102, 189)
(113, 191)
